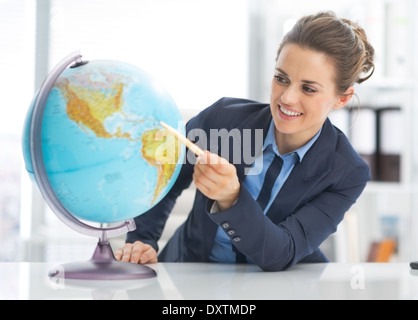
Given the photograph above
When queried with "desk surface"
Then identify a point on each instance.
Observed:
(198, 281)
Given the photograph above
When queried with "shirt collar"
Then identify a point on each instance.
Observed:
(301, 152)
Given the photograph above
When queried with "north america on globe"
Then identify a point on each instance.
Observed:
(90, 107)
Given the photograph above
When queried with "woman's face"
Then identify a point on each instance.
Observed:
(303, 93)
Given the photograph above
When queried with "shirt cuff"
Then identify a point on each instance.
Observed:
(215, 207)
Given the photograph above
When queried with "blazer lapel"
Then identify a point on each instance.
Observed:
(316, 164)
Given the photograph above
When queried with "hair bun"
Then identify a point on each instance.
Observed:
(368, 65)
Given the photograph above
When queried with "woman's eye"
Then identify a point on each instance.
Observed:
(281, 79)
(308, 89)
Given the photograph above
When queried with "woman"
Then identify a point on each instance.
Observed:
(320, 174)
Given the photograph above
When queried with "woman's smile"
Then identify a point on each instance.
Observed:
(288, 113)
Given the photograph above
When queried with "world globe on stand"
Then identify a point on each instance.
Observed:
(101, 154)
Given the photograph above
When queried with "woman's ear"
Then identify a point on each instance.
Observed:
(345, 98)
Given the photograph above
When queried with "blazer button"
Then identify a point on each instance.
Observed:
(236, 239)
(225, 225)
(231, 232)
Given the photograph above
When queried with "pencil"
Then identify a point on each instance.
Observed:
(197, 151)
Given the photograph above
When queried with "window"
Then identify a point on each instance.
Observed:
(16, 82)
(197, 49)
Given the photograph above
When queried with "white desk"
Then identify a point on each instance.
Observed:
(194, 281)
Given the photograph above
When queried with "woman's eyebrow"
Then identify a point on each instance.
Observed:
(304, 81)
(281, 71)
(312, 82)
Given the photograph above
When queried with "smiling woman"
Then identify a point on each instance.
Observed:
(310, 174)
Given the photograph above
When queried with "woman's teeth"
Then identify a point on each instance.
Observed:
(289, 113)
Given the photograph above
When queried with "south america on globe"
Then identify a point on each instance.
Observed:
(106, 156)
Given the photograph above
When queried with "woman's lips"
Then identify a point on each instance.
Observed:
(288, 113)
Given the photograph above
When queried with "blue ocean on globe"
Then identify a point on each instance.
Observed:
(106, 156)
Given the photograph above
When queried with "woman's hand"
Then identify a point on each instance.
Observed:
(137, 252)
(217, 179)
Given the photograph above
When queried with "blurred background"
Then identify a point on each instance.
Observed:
(202, 50)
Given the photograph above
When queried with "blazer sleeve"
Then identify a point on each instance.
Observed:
(276, 247)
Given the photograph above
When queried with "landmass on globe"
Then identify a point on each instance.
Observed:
(90, 109)
(160, 150)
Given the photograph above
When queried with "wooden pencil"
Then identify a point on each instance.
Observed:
(197, 151)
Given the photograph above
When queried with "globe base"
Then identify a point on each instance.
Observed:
(102, 266)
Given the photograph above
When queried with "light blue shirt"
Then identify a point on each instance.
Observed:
(222, 247)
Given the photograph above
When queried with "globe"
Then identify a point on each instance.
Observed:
(94, 145)
(106, 156)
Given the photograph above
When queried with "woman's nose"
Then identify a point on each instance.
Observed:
(290, 95)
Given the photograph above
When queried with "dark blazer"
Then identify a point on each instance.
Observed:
(309, 207)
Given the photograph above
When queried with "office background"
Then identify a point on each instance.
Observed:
(202, 50)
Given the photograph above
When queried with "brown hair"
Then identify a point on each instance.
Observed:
(341, 40)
